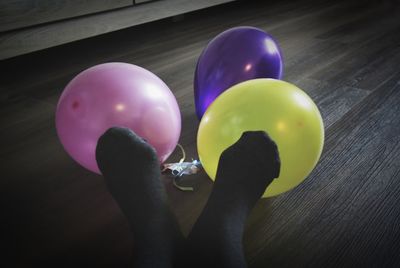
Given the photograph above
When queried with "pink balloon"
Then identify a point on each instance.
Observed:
(116, 94)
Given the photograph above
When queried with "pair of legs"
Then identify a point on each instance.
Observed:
(132, 173)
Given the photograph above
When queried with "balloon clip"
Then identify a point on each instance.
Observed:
(178, 170)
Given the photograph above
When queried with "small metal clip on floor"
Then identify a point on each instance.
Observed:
(181, 168)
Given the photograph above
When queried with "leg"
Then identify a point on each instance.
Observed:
(131, 170)
(245, 170)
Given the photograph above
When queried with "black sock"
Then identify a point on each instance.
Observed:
(132, 173)
(245, 170)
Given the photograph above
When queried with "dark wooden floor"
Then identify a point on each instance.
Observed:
(346, 214)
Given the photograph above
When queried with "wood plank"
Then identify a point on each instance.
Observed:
(334, 218)
(142, 45)
(15, 14)
(156, 52)
(41, 37)
(375, 53)
(141, 1)
(159, 52)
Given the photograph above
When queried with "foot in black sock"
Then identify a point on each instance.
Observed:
(132, 173)
(245, 170)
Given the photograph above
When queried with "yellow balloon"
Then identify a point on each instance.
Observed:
(284, 111)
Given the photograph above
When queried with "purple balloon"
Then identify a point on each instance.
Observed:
(116, 94)
(234, 56)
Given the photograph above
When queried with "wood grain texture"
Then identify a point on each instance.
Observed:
(345, 55)
(141, 1)
(15, 14)
(23, 41)
(335, 218)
